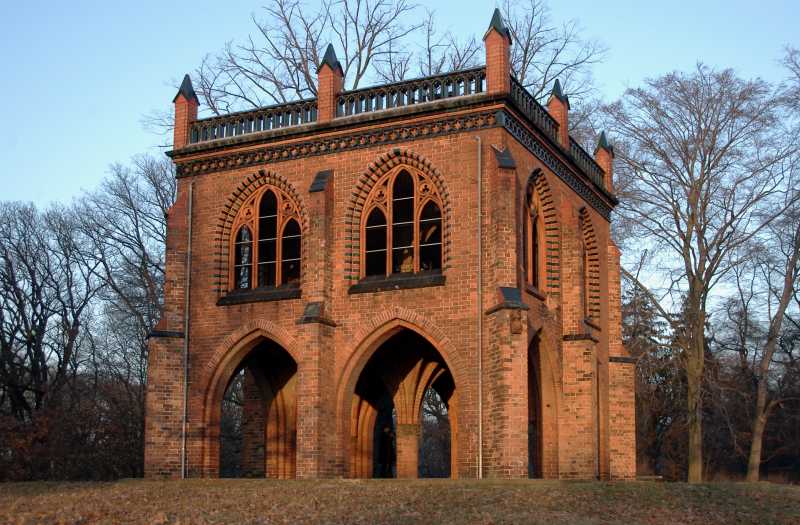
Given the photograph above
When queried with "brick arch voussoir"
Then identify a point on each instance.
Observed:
(262, 327)
(552, 231)
(249, 185)
(375, 170)
(593, 254)
(398, 313)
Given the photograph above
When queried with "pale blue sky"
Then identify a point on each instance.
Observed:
(77, 76)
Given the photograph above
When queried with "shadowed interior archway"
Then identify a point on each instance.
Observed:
(386, 409)
(259, 379)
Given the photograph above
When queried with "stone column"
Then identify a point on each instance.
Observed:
(506, 388)
(408, 450)
(253, 428)
(164, 397)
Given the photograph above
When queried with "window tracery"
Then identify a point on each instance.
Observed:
(266, 244)
(402, 225)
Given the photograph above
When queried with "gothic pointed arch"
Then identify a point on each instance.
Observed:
(590, 266)
(373, 192)
(540, 216)
(427, 360)
(242, 208)
(222, 364)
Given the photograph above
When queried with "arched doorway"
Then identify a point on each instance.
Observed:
(535, 413)
(387, 411)
(257, 423)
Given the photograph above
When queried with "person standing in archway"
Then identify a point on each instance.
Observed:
(387, 456)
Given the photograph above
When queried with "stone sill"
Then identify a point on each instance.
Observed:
(398, 281)
(258, 295)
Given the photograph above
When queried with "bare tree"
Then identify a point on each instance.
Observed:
(125, 224)
(701, 153)
(25, 310)
(435, 437)
(438, 52)
(46, 287)
(791, 62)
(278, 63)
(775, 260)
(543, 51)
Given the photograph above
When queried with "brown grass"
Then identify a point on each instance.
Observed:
(392, 501)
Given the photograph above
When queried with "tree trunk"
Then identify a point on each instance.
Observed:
(759, 422)
(762, 411)
(694, 376)
(695, 415)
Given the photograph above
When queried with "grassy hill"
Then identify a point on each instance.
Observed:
(393, 501)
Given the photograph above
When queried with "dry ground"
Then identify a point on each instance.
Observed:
(392, 501)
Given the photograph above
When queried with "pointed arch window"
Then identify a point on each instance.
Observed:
(402, 226)
(266, 250)
(533, 241)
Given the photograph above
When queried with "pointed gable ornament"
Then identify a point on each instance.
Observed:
(559, 93)
(498, 25)
(330, 60)
(602, 143)
(187, 90)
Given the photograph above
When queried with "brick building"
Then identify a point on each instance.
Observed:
(352, 251)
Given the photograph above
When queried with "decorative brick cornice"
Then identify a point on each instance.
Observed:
(322, 146)
(534, 144)
(396, 133)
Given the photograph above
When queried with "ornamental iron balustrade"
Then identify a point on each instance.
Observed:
(412, 92)
(535, 112)
(253, 121)
(586, 162)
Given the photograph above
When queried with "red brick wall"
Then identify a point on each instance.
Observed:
(586, 406)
